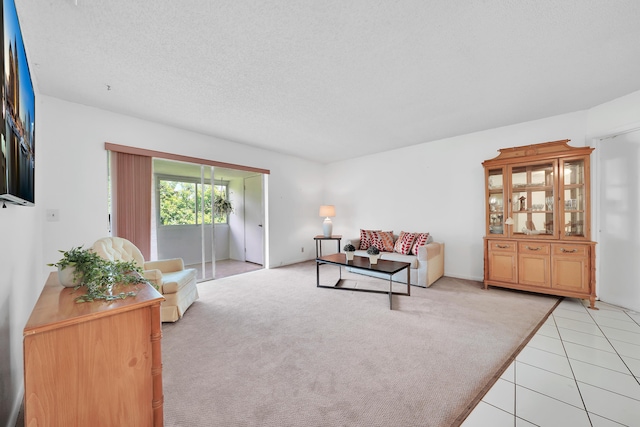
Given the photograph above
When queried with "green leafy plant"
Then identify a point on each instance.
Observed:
(100, 276)
(221, 205)
(373, 251)
(349, 248)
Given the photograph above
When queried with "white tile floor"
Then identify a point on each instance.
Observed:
(582, 368)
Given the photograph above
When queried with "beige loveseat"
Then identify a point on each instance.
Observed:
(426, 267)
(175, 283)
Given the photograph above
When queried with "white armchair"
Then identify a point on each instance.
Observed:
(175, 283)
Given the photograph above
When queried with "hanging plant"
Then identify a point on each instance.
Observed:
(221, 205)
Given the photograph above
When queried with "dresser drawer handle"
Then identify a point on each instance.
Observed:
(533, 249)
(502, 246)
(568, 251)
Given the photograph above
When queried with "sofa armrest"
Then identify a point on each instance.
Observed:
(430, 256)
(165, 265)
(430, 251)
(155, 277)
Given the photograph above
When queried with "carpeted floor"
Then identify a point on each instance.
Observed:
(268, 348)
(224, 268)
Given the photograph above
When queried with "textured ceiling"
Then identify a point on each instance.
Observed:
(334, 79)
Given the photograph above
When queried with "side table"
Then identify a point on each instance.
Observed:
(319, 240)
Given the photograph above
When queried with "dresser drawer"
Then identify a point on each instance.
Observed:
(568, 249)
(502, 246)
(534, 248)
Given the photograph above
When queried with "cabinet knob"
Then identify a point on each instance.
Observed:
(533, 249)
(502, 246)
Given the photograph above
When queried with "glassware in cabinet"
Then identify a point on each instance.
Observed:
(574, 198)
(495, 200)
(532, 197)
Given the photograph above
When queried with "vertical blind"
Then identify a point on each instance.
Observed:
(131, 198)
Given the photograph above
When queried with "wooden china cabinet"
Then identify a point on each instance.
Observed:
(538, 220)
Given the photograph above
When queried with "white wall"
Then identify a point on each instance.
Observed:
(185, 241)
(71, 144)
(619, 115)
(435, 187)
(21, 279)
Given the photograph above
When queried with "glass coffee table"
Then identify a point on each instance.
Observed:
(383, 266)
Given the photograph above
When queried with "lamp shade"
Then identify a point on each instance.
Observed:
(327, 210)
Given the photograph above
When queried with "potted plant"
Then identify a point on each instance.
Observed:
(374, 254)
(72, 266)
(82, 267)
(349, 250)
(221, 205)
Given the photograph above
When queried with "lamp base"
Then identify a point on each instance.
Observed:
(327, 227)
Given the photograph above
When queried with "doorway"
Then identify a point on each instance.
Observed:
(254, 219)
(618, 210)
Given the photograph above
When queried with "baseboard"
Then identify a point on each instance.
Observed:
(457, 276)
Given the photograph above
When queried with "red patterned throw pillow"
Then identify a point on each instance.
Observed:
(421, 240)
(404, 243)
(383, 240)
(366, 239)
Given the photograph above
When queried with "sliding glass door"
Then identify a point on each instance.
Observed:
(184, 214)
(209, 216)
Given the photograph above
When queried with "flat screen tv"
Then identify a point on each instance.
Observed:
(17, 136)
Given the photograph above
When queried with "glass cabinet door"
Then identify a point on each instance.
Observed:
(573, 198)
(495, 199)
(532, 199)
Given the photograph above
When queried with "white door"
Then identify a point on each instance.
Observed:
(618, 219)
(254, 220)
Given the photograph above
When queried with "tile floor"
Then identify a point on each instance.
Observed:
(582, 368)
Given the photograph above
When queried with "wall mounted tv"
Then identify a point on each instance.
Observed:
(17, 133)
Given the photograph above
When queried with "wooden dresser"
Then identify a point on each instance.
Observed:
(538, 220)
(93, 364)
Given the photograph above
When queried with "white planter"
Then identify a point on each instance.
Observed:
(350, 255)
(373, 259)
(65, 277)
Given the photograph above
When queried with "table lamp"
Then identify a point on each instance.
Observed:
(327, 211)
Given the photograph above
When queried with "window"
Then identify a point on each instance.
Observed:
(180, 201)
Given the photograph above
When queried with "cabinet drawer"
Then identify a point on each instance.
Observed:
(571, 250)
(502, 246)
(534, 248)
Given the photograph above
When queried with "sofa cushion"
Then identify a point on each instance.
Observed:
(383, 240)
(366, 238)
(173, 282)
(421, 240)
(394, 256)
(404, 243)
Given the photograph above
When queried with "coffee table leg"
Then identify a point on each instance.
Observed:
(390, 293)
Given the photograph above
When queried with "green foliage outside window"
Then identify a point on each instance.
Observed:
(180, 202)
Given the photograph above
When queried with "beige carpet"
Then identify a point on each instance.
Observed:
(224, 268)
(268, 348)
